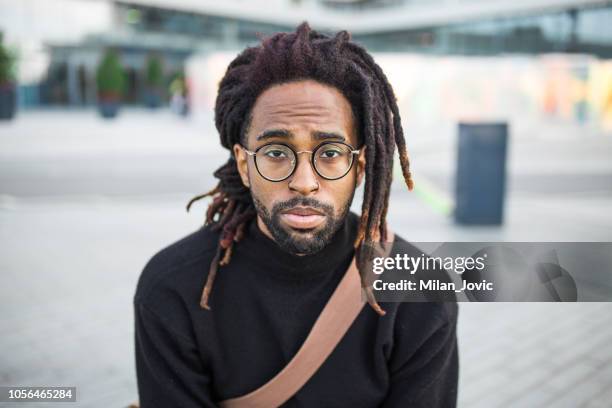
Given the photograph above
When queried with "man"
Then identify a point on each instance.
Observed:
(307, 118)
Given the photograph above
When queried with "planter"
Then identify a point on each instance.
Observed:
(152, 98)
(108, 109)
(8, 101)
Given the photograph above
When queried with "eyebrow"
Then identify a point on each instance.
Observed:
(268, 134)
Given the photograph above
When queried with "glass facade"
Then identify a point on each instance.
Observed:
(584, 30)
(143, 19)
(141, 30)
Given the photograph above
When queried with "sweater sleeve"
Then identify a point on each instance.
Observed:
(169, 370)
(424, 373)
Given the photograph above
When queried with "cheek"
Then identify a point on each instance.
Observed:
(266, 192)
(340, 191)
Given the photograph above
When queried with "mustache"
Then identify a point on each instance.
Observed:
(303, 202)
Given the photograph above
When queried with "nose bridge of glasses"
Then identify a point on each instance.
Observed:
(308, 162)
(295, 158)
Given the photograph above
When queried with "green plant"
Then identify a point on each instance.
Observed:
(110, 77)
(7, 64)
(154, 75)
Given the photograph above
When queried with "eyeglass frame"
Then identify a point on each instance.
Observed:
(352, 151)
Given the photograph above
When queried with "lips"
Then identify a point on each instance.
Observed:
(303, 211)
(303, 217)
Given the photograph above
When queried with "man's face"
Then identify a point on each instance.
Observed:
(302, 212)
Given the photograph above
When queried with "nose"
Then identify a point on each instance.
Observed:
(304, 179)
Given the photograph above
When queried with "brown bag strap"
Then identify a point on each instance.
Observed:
(334, 321)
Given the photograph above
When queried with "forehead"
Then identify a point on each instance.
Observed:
(302, 108)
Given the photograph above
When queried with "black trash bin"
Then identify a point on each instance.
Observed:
(481, 173)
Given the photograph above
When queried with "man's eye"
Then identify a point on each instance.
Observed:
(276, 154)
(330, 154)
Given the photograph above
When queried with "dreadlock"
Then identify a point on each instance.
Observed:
(335, 61)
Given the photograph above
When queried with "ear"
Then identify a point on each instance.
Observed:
(242, 164)
(361, 162)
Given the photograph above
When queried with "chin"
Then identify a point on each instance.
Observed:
(302, 241)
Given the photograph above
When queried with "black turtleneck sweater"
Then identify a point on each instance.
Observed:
(264, 303)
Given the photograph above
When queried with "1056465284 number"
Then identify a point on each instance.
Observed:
(16, 394)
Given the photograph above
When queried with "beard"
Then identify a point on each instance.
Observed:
(302, 241)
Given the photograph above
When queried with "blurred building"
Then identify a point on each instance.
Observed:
(175, 29)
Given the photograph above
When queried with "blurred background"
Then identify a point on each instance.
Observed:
(106, 131)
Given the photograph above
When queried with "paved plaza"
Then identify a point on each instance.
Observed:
(84, 203)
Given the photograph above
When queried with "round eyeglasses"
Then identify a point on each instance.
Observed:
(277, 161)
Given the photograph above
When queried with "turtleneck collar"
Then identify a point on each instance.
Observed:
(262, 250)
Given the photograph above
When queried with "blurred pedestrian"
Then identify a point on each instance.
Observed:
(179, 102)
